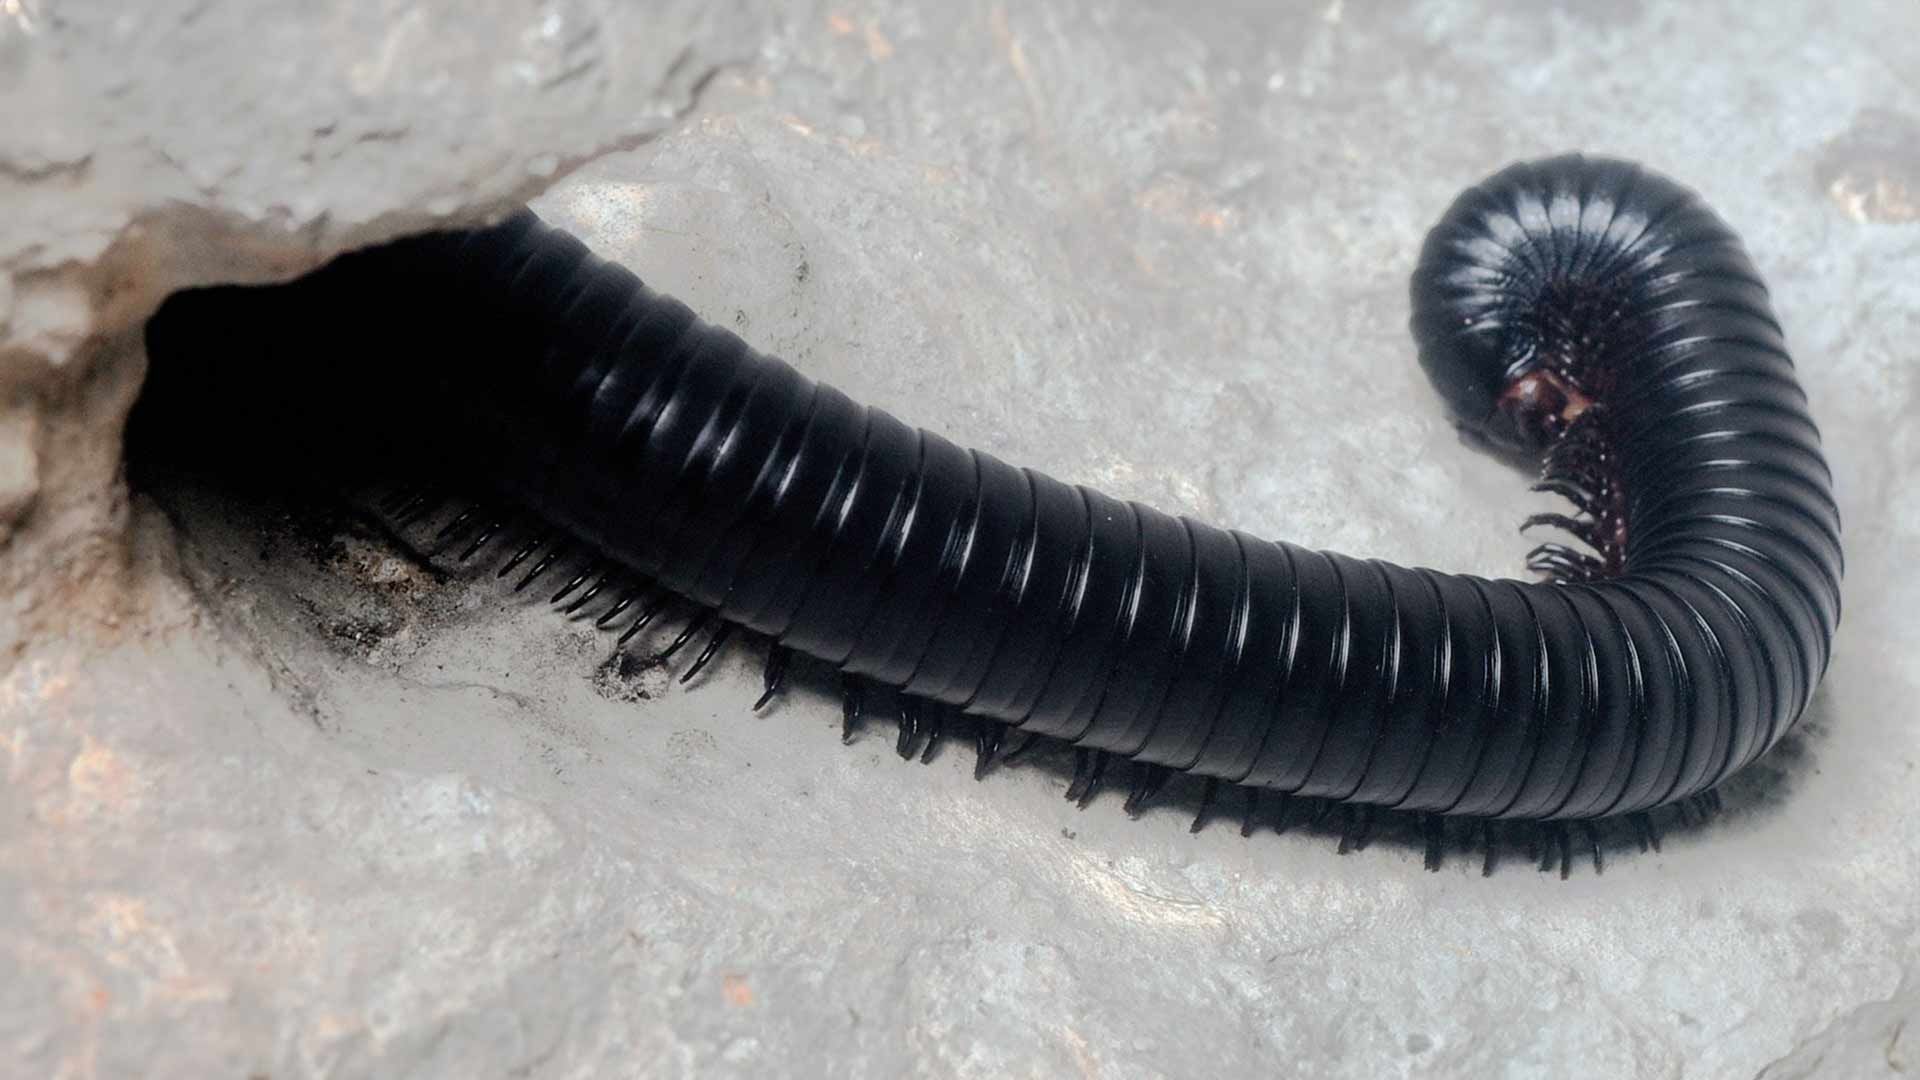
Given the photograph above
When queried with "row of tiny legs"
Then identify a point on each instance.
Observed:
(615, 600)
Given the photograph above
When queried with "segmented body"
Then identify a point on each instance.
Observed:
(1583, 305)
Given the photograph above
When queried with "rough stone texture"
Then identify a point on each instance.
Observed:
(279, 802)
(152, 145)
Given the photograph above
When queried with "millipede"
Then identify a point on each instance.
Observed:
(1586, 313)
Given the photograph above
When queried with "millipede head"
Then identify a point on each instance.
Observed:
(1514, 293)
(1535, 409)
(1502, 382)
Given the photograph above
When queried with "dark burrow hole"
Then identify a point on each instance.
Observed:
(302, 472)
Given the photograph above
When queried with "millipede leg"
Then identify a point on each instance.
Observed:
(909, 728)
(1563, 838)
(622, 604)
(592, 569)
(1564, 563)
(1364, 835)
(1250, 816)
(1147, 782)
(1591, 833)
(1435, 828)
(1643, 831)
(1283, 813)
(587, 597)
(546, 562)
(1089, 769)
(986, 743)
(693, 627)
(1100, 760)
(416, 506)
(486, 536)
(936, 733)
(1569, 491)
(1582, 528)
(1082, 763)
(539, 541)
(852, 703)
(456, 528)
(1489, 847)
(714, 645)
(645, 618)
(773, 675)
(1349, 829)
(1207, 793)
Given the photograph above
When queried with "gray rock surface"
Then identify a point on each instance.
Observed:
(172, 142)
(276, 801)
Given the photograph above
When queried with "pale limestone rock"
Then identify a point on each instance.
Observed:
(274, 802)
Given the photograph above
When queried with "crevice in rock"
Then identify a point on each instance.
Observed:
(73, 305)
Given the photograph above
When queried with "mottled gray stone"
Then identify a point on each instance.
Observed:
(283, 804)
(171, 142)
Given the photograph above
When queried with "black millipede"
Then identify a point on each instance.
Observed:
(1585, 312)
